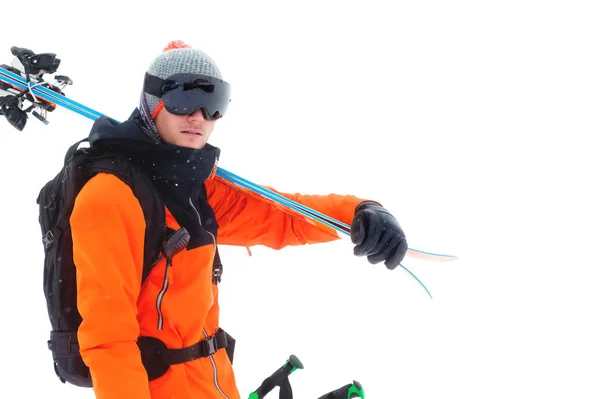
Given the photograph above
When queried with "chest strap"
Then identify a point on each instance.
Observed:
(157, 358)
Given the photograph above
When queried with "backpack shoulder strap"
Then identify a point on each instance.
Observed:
(217, 264)
(148, 197)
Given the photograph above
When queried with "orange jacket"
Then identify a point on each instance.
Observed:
(108, 233)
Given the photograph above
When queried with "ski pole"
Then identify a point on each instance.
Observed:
(354, 390)
(279, 378)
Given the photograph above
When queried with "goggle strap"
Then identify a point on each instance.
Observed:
(160, 106)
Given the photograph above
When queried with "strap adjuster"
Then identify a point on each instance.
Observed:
(48, 239)
(157, 358)
(210, 345)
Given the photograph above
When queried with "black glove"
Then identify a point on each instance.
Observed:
(377, 234)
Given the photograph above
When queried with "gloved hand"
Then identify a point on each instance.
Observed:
(377, 234)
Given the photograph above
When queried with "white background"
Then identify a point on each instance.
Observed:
(474, 122)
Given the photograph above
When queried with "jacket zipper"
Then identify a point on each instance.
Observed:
(212, 361)
(214, 369)
(200, 222)
(161, 295)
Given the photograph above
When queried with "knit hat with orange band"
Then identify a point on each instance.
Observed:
(177, 57)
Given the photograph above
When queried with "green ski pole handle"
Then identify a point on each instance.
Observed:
(279, 378)
(350, 391)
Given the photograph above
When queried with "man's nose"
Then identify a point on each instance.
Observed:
(197, 116)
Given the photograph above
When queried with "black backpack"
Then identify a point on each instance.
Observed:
(56, 200)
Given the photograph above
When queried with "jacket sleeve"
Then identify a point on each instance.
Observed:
(108, 226)
(247, 219)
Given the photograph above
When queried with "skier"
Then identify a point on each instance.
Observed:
(176, 310)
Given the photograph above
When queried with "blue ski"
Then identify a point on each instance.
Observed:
(39, 90)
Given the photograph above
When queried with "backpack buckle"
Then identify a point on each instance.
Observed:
(48, 239)
(211, 345)
(217, 273)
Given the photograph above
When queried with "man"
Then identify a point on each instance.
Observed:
(177, 306)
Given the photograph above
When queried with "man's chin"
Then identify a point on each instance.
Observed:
(196, 142)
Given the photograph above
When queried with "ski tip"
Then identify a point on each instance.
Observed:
(419, 281)
(430, 256)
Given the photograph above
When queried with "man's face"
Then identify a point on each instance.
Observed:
(190, 131)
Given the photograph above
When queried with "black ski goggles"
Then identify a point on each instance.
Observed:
(186, 93)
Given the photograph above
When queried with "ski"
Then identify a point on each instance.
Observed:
(340, 227)
(343, 228)
(41, 91)
(45, 97)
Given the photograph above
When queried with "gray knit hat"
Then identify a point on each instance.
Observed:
(177, 57)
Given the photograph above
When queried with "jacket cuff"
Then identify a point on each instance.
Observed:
(367, 204)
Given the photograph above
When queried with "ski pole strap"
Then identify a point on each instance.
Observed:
(157, 358)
